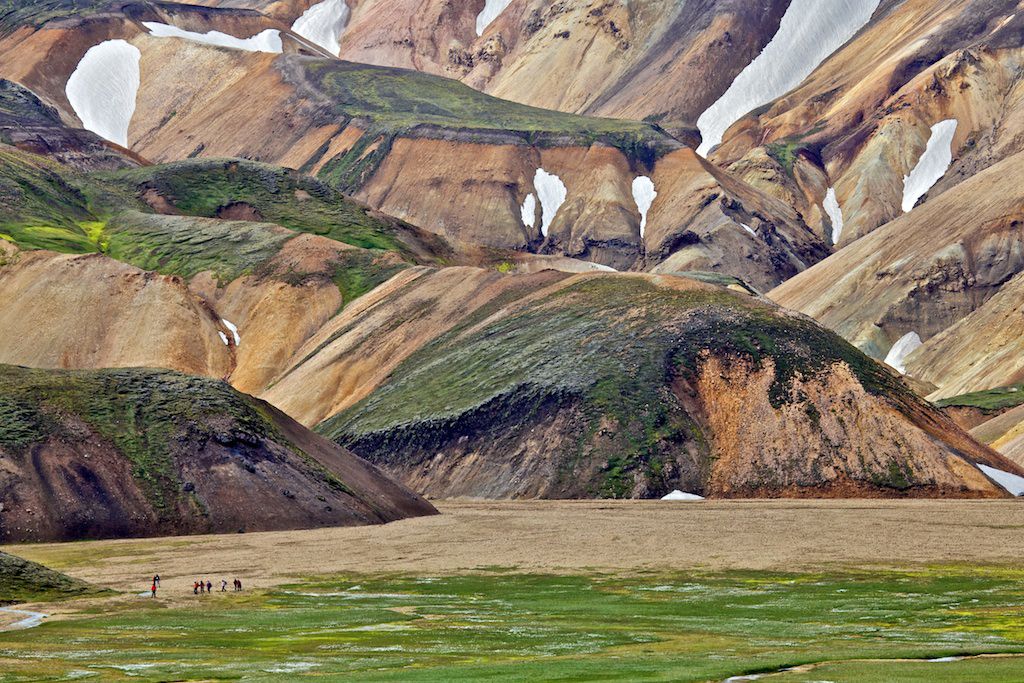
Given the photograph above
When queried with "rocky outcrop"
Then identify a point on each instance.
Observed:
(120, 453)
(615, 385)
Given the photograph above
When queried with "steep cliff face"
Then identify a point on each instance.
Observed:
(120, 453)
(545, 396)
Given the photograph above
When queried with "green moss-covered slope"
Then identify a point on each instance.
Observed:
(990, 400)
(605, 368)
(209, 187)
(135, 452)
(24, 581)
(403, 99)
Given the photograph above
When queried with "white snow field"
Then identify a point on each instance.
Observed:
(529, 210)
(552, 193)
(810, 31)
(103, 87)
(234, 330)
(933, 164)
(748, 229)
(323, 24)
(264, 41)
(644, 195)
(491, 11)
(1009, 481)
(679, 495)
(835, 214)
(897, 356)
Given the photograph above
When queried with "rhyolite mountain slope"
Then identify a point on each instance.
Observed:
(136, 452)
(428, 150)
(615, 385)
(947, 272)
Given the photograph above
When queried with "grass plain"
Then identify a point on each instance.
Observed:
(593, 590)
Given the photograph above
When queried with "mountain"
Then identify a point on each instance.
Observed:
(137, 452)
(427, 150)
(397, 222)
(945, 274)
(611, 385)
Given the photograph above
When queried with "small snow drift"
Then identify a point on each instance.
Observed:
(552, 193)
(835, 214)
(644, 195)
(529, 210)
(810, 31)
(234, 330)
(323, 24)
(491, 11)
(1011, 482)
(679, 495)
(103, 87)
(897, 357)
(264, 41)
(748, 229)
(933, 164)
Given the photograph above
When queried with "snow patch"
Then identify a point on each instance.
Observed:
(264, 41)
(897, 357)
(933, 164)
(529, 210)
(491, 11)
(103, 87)
(749, 229)
(1011, 482)
(323, 24)
(644, 195)
(234, 330)
(552, 193)
(810, 31)
(835, 214)
(679, 495)
(224, 338)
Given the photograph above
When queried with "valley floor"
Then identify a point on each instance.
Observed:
(841, 590)
(574, 536)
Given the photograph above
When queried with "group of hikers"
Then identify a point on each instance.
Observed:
(201, 586)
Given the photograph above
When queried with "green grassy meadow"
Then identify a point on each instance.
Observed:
(500, 626)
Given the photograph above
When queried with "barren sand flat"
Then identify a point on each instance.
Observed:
(574, 536)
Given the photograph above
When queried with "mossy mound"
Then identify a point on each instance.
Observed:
(598, 379)
(24, 581)
(134, 452)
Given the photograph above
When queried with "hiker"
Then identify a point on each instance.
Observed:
(209, 586)
(239, 583)
(195, 587)
(223, 585)
(153, 589)
(156, 580)
(202, 586)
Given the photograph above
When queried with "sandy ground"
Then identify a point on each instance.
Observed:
(560, 536)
